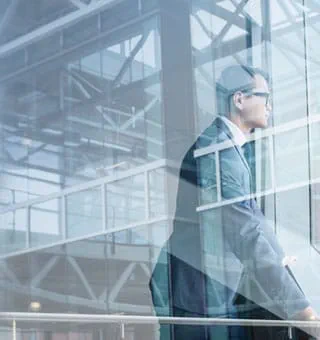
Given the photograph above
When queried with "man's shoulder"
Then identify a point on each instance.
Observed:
(215, 133)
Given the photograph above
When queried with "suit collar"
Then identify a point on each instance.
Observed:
(226, 134)
(238, 136)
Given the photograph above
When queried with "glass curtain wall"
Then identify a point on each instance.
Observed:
(100, 102)
(95, 114)
(280, 38)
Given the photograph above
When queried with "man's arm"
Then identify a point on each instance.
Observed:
(244, 230)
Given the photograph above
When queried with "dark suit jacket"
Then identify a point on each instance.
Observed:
(215, 262)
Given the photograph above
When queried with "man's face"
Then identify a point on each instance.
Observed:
(255, 108)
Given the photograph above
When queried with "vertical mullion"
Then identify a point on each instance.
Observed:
(28, 236)
(272, 164)
(309, 131)
(147, 195)
(63, 217)
(104, 206)
(218, 177)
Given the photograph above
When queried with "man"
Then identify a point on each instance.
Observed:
(247, 276)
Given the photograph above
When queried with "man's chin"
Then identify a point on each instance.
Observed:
(264, 124)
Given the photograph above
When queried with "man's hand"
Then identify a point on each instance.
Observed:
(309, 314)
(289, 260)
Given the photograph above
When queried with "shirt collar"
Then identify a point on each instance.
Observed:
(238, 136)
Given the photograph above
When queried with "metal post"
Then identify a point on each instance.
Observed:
(218, 177)
(122, 331)
(64, 217)
(14, 330)
(104, 206)
(147, 195)
(28, 235)
(272, 163)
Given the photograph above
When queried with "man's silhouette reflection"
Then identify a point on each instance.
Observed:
(226, 262)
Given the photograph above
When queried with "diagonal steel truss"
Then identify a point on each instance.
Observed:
(107, 300)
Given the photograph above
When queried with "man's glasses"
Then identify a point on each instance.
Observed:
(266, 95)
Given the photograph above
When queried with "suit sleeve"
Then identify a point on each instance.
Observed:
(243, 229)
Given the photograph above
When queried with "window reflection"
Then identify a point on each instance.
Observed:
(102, 96)
(13, 230)
(84, 212)
(45, 222)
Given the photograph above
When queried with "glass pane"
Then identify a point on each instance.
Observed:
(13, 228)
(262, 164)
(288, 62)
(103, 106)
(271, 37)
(84, 212)
(45, 222)
(157, 193)
(291, 157)
(293, 223)
(315, 150)
(208, 183)
(126, 201)
(312, 56)
(315, 174)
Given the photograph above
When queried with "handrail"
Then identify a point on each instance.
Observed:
(139, 170)
(137, 319)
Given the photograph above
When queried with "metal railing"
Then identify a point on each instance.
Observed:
(124, 320)
(101, 185)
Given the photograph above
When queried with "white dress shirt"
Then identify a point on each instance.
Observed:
(238, 136)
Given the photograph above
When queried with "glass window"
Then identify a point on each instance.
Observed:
(13, 230)
(45, 222)
(84, 212)
(126, 201)
(157, 192)
(138, 123)
(291, 157)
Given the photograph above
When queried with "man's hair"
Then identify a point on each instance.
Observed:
(232, 79)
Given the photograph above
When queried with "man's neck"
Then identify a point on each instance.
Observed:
(238, 136)
(236, 119)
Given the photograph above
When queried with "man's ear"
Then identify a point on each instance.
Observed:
(237, 100)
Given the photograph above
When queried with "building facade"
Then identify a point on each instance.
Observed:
(100, 100)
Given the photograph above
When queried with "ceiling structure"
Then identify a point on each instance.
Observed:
(56, 123)
(37, 121)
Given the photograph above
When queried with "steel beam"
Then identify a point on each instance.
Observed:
(56, 26)
(286, 11)
(228, 25)
(78, 3)
(82, 277)
(46, 169)
(31, 152)
(81, 78)
(250, 20)
(214, 9)
(209, 34)
(129, 60)
(40, 180)
(9, 13)
(10, 274)
(139, 114)
(65, 54)
(36, 280)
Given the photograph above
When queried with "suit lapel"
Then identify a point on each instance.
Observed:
(225, 130)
